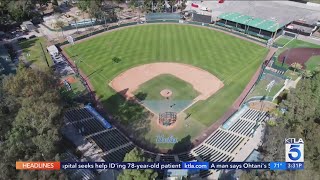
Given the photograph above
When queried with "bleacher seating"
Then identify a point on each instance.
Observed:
(77, 115)
(118, 155)
(219, 146)
(209, 154)
(88, 126)
(167, 158)
(84, 174)
(186, 157)
(110, 139)
(254, 115)
(242, 126)
(205, 173)
(150, 156)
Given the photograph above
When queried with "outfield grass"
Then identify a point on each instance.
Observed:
(313, 62)
(231, 59)
(181, 90)
(33, 48)
(294, 44)
(282, 41)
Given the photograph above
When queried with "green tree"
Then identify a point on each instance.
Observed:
(307, 73)
(296, 66)
(172, 3)
(75, 19)
(31, 112)
(301, 120)
(136, 155)
(60, 24)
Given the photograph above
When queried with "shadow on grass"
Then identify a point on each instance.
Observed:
(30, 62)
(131, 118)
(25, 45)
(183, 145)
(141, 96)
(8, 66)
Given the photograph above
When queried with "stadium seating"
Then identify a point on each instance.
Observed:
(186, 157)
(167, 158)
(205, 173)
(118, 155)
(150, 156)
(77, 114)
(84, 174)
(110, 139)
(219, 146)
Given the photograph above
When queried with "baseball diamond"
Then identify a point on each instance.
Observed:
(215, 67)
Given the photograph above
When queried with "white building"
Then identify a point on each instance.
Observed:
(27, 26)
(53, 50)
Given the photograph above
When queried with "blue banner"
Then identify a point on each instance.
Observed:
(98, 117)
(239, 165)
(195, 165)
(278, 165)
(295, 165)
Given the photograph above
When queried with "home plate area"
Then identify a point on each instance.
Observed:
(161, 106)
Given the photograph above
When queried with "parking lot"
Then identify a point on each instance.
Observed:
(281, 11)
(61, 66)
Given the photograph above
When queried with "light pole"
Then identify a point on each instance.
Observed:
(275, 33)
(268, 89)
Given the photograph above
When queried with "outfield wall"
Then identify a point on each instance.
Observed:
(237, 33)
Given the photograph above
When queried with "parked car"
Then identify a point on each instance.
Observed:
(32, 36)
(21, 39)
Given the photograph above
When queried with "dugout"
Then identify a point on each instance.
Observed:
(258, 27)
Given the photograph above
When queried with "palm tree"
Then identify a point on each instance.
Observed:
(317, 69)
(307, 74)
(75, 19)
(296, 66)
(60, 24)
(172, 3)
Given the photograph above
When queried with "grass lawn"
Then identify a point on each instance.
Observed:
(291, 74)
(260, 89)
(282, 41)
(297, 44)
(180, 89)
(294, 44)
(231, 59)
(313, 62)
(33, 47)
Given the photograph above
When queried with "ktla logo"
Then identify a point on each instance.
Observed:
(294, 150)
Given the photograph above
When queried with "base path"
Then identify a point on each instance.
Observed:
(202, 81)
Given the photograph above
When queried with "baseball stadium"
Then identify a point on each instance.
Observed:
(198, 73)
(183, 90)
(150, 89)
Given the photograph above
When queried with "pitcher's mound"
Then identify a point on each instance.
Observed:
(166, 93)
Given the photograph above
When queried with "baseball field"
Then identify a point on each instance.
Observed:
(229, 59)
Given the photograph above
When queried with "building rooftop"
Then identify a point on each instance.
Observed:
(259, 23)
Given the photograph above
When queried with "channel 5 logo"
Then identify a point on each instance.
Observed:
(294, 150)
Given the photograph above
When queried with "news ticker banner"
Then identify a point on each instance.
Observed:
(159, 165)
